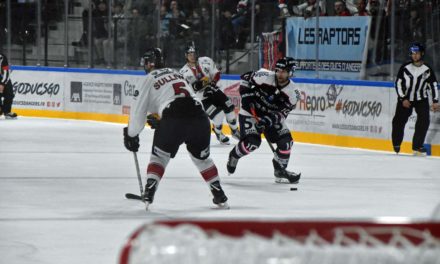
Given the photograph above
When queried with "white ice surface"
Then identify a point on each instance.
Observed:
(62, 186)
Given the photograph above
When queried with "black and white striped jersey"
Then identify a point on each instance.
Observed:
(413, 82)
(5, 73)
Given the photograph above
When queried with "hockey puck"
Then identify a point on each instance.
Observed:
(294, 189)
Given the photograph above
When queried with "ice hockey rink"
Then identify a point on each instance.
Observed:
(62, 186)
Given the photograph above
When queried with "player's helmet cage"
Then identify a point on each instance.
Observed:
(287, 64)
(416, 47)
(153, 56)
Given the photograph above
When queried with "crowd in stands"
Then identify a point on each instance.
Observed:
(133, 24)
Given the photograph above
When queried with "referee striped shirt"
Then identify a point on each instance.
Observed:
(413, 82)
(5, 73)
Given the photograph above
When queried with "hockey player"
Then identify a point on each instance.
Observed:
(267, 97)
(181, 119)
(203, 75)
(412, 83)
(6, 92)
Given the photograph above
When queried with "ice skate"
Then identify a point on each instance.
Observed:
(396, 149)
(224, 140)
(284, 176)
(150, 190)
(421, 152)
(11, 115)
(232, 163)
(220, 198)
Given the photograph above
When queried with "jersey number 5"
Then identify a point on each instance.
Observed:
(178, 89)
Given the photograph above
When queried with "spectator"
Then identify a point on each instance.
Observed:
(267, 15)
(341, 9)
(284, 8)
(240, 21)
(176, 20)
(83, 41)
(119, 27)
(416, 28)
(361, 8)
(138, 34)
(165, 17)
(100, 30)
(227, 36)
(308, 9)
(378, 50)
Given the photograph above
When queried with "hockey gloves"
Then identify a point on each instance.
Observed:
(268, 121)
(197, 86)
(153, 121)
(201, 84)
(209, 91)
(263, 124)
(130, 143)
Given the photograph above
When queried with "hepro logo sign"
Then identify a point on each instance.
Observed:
(76, 92)
(320, 103)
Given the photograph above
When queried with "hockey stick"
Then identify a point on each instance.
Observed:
(141, 188)
(254, 114)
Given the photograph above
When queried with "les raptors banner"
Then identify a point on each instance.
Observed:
(339, 44)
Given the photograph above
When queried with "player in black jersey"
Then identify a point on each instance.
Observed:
(412, 83)
(267, 97)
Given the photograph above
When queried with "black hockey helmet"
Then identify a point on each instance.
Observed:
(287, 64)
(191, 47)
(153, 56)
(416, 47)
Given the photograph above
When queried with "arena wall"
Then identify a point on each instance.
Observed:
(355, 114)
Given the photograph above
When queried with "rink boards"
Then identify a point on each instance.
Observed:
(353, 114)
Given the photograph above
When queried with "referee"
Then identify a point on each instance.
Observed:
(412, 84)
(6, 92)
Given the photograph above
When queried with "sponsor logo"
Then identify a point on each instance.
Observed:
(125, 110)
(39, 89)
(28, 103)
(333, 93)
(325, 65)
(313, 103)
(117, 93)
(320, 103)
(330, 36)
(53, 104)
(363, 108)
(129, 89)
(75, 92)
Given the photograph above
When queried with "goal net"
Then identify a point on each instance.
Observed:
(282, 242)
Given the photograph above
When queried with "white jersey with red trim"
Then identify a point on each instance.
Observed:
(159, 89)
(205, 71)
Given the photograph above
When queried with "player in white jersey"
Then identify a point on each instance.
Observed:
(203, 75)
(178, 117)
(267, 97)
